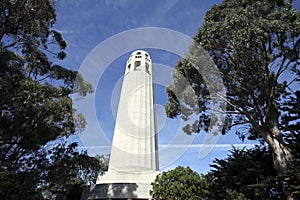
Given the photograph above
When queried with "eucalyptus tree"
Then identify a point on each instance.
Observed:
(255, 46)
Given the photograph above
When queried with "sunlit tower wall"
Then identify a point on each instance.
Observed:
(134, 147)
(133, 161)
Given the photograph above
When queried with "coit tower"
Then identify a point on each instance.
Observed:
(133, 161)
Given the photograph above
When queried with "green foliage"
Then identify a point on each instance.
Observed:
(104, 162)
(247, 173)
(291, 128)
(36, 114)
(232, 194)
(179, 183)
(252, 43)
(255, 46)
(244, 174)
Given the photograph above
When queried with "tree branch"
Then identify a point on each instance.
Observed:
(12, 44)
(239, 123)
(50, 75)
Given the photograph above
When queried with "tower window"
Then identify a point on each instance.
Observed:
(147, 67)
(128, 66)
(137, 65)
(138, 53)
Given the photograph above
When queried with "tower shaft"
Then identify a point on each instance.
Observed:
(133, 161)
(134, 146)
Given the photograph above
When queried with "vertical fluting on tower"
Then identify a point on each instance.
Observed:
(134, 147)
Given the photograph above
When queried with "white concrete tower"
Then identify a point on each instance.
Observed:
(134, 155)
(134, 147)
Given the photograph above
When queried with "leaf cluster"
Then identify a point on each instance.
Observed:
(36, 114)
(291, 129)
(180, 183)
(248, 172)
(254, 45)
(244, 174)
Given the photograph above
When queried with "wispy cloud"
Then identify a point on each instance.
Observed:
(215, 146)
(209, 145)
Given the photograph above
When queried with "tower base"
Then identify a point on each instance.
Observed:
(124, 191)
(121, 185)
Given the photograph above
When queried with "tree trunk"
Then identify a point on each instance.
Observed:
(282, 158)
(282, 155)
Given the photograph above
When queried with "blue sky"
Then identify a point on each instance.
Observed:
(88, 24)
